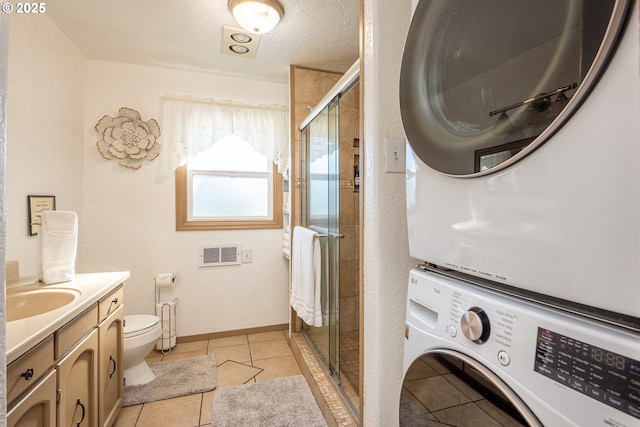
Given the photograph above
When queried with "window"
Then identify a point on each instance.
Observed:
(228, 159)
(229, 186)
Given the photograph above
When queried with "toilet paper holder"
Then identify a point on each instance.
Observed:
(166, 280)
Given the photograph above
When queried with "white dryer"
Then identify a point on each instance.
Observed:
(523, 129)
(477, 357)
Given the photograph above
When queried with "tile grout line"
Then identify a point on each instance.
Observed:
(209, 349)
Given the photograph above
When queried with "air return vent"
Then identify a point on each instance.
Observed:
(215, 256)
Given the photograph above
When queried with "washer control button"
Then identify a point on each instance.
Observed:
(504, 358)
(452, 330)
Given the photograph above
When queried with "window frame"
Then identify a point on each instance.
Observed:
(183, 223)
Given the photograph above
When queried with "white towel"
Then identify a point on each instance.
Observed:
(305, 276)
(58, 246)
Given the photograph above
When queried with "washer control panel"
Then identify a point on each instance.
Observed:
(482, 323)
(566, 362)
(593, 371)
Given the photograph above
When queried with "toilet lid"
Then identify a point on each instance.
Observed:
(136, 324)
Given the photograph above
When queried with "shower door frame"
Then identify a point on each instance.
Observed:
(344, 85)
(324, 218)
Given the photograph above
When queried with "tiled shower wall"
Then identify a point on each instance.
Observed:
(309, 87)
(349, 209)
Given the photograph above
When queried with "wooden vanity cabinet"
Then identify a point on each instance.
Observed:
(25, 371)
(74, 377)
(111, 358)
(38, 407)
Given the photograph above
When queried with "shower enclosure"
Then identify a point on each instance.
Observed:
(330, 155)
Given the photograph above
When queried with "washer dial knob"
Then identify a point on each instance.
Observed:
(475, 325)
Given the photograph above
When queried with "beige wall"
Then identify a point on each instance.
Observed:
(45, 97)
(127, 217)
(386, 261)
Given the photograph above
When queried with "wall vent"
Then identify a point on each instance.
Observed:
(215, 256)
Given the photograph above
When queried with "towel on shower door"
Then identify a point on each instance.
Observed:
(58, 245)
(305, 276)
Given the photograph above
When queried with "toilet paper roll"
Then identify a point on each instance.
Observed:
(166, 343)
(166, 311)
(165, 280)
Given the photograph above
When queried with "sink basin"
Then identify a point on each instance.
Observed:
(32, 303)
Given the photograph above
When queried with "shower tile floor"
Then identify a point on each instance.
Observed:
(349, 358)
(240, 359)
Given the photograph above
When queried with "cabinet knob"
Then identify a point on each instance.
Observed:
(28, 374)
(114, 303)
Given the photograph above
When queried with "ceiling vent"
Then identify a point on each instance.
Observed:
(238, 42)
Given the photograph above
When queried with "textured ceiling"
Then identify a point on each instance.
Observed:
(187, 34)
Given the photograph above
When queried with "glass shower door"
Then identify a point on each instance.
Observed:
(321, 208)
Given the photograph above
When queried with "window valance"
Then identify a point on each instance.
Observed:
(191, 125)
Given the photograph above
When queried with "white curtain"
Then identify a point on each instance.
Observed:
(191, 125)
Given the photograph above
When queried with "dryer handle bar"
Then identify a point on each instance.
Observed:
(534, 99)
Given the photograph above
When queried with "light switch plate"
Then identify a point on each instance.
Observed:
(394, 155)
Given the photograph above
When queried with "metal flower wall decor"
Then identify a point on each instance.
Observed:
(127, 138)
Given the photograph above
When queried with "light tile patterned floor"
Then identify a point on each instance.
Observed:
(444, 398)
(241, 359)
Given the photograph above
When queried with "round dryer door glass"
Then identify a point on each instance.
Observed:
(483, 83)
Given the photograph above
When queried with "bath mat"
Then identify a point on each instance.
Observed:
(280, 402)
(174, 378)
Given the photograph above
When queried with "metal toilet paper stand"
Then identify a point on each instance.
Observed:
(162, 316)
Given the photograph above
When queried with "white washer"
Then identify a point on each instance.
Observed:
(560, 217)
(557, 370)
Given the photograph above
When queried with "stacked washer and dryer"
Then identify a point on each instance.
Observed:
(523, 202)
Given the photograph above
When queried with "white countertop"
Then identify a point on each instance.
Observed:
(25, 333)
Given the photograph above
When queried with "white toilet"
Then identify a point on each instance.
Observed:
(141, 331)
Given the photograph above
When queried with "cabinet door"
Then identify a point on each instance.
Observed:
(78, 384)
(110, 368)
(38, 407)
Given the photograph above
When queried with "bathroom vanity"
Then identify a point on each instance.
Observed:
(65, 352)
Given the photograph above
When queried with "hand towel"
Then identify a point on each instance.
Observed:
(58, 246)
(305, 276)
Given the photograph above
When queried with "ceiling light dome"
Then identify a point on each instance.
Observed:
(257, 16)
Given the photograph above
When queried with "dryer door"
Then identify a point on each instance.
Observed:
(450, 388)
(483, 83)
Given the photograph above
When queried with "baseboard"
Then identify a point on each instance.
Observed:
(224, 334)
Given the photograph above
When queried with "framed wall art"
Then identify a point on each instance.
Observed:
(37, 204)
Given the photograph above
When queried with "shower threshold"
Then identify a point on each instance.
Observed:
(327, 392)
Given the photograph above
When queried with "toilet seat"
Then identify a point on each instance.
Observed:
(138, 324)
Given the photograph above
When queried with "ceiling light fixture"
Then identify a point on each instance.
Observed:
(256, 16)
(241, 37)
(236, 48)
